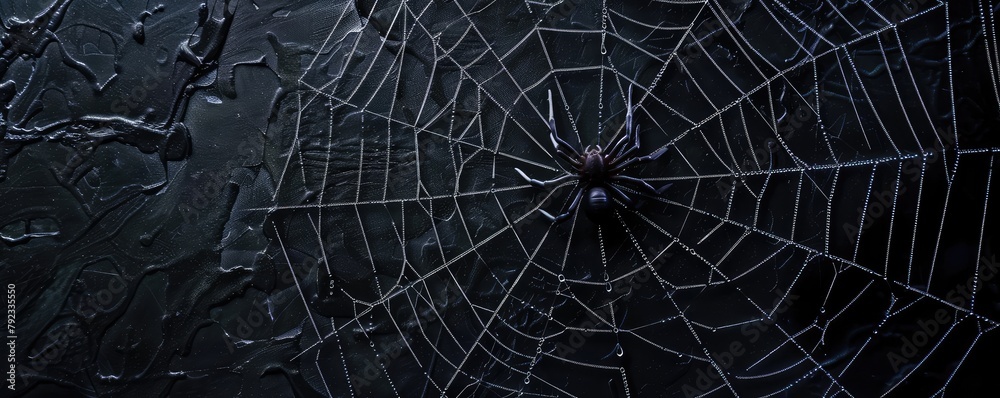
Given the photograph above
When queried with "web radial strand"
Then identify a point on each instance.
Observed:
(815, 237)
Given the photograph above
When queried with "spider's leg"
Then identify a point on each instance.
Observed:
(568, 152)
(561, 146)
(616, 167)
(621, 195)
(654, 155)
(569, 212)
(633, 129)
(625, 153)
(575, 162)
(623, 165)
(629, 132)
(643, 184)
(544, 184)
(616, 147)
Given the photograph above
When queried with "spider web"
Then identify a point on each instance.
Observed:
(831, 164)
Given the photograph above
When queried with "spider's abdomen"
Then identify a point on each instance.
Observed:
(598, 204)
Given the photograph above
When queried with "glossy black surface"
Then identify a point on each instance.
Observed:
(319, 198)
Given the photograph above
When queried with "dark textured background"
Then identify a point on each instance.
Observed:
(318, 198)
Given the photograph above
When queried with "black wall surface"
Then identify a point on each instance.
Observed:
(319, 198)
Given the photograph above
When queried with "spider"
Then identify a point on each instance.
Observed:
(599, 171)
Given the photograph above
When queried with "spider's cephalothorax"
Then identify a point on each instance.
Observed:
(599, 171)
